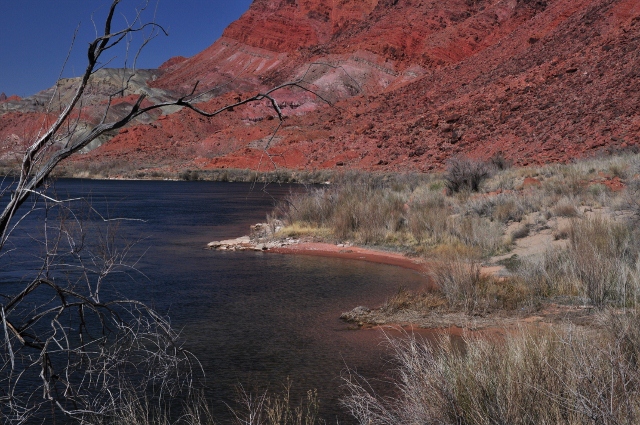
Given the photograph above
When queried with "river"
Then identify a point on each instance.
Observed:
(251, 318)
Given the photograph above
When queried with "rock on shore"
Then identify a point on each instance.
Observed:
(245, 243)
(261, 239)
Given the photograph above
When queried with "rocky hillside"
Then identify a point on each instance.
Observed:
(411, 83)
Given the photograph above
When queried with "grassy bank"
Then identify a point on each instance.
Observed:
(560, 235)
(533, 376)
(579, 220)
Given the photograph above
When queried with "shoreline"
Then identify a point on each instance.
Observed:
(324, 249)
(550, 313)
(312, 248)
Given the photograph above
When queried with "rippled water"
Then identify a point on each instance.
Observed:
(251, 318)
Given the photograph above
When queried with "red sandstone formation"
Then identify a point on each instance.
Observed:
(414, 82)
(172, 62)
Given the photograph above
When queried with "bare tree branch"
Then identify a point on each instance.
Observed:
(71, 342)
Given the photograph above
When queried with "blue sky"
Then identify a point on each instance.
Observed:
(35, 35)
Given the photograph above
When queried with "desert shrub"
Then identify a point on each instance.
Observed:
(601, 264)
(504, 207)
(499, 162)
(597, 190)
(618, 170)
(602, 259)
(511, 209)
(478, 232)
(102, 169)
(367, 215)
(190, 175)
(427, 217)
(428, 223)
(464, 286)
(521, 231)
(564, 181)
(482, 205)
(565, 207)
(464, 174)
(360, 207)
(459, 280)
(632, 197)
(313, 207)
(530, 377)
(561, 233)
(549, 273)
(417, 301)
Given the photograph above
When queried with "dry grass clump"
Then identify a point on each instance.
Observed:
(510, 208)
(604, 260)
(358, 212)
(521, 231)
(535, 376)
(561, 233)
(567, 181)
(465, 288)
(460, 281)
(250, 409)
(504, 207)
(565, 207)
(479, 232)
(427, 216)
(278, 409)
(300, 230)
(549, 274)
(417, 301)
(601, 264)
(369, 210)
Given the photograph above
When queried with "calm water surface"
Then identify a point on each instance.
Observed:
(251, 318)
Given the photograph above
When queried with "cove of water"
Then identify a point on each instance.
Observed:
(251, 318)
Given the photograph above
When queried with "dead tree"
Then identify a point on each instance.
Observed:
(70, 346)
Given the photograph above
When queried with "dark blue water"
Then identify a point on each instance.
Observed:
(251, 318)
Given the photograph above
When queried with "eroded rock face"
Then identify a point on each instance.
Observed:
(172, 62)
(289, 25)
(3, 97)
(414, 83)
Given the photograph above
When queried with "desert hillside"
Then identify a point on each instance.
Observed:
(410, 83)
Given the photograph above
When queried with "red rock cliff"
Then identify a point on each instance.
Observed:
(414, 82)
